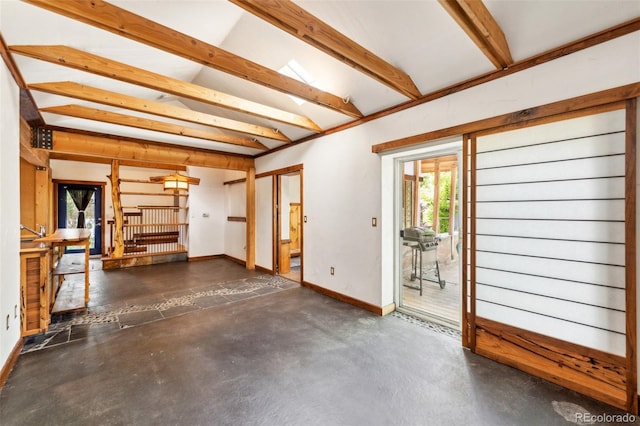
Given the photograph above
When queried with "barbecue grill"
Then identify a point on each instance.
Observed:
(423, 240)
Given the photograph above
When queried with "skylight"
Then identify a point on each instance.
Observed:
(294, 70)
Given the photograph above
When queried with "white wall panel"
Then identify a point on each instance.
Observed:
(604, 253)
(559, 190)
(559, 150)
(549, 245)
(612, 232)
(584, 168)
(596, 295)
(564, 330)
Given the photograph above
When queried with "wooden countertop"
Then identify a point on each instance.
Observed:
(30, 246)
(63, 235)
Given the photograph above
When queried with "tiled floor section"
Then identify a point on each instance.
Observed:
(105, 319)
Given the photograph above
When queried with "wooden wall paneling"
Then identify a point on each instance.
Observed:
(631, 255)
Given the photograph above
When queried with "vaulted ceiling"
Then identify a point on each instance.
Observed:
(205, 74)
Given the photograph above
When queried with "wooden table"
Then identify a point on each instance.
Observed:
(70, 237)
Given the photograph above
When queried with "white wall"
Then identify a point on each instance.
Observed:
(9, 215)
(207, 218)
(235, 232)
(264, 222)
(341, 197)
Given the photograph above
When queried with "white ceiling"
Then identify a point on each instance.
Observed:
(417, 36)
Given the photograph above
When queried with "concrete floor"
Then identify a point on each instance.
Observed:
(290, 357)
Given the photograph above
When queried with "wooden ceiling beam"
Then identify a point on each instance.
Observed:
(103, 116)
(102, 160)
(293, 19)
(105, 97)
(126, 149)
(474, 18)
(84, 61)
(120, 21)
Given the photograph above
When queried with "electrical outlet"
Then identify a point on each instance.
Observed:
(332, 270)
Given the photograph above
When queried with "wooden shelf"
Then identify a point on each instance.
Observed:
(139, 181)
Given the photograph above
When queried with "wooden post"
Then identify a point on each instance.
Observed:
(251, 219)
(42, 197)
(415, 198)
(436, 196)
(452, 207)
(118, 245)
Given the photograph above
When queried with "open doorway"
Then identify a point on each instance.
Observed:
(81, 205)
(288, 229)
(430, 239)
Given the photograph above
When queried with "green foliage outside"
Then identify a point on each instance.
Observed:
(426, 200)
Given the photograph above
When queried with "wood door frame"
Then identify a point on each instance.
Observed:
(275, 202)
(57, 182)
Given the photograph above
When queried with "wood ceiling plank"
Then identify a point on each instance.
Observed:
(84, 61)
(95, 114)
(124, 149)
(105, 97)
(474, 18)
(120, 21)
(291, 18)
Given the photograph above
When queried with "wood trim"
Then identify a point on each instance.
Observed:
(386, 310)
(235, 260)
(236, 219)
(274, 222)
(282, 171)
(346, 299)
(251, 218)
(201, 258)
(85, 61)
(555, 53)
(522, 117)
(594, 373)
(10, 362)
(631, 260)
(231, 182)
(301, 24)
(117, 148)
(112, 18)
(265, 270)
